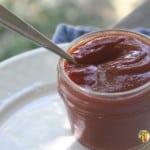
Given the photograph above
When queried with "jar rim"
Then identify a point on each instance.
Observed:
(108, 94)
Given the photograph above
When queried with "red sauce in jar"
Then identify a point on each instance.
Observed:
(107, 96)
(110, 64)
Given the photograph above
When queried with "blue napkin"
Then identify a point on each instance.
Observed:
(66, 33)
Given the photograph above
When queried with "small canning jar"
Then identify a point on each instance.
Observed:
(106, 121)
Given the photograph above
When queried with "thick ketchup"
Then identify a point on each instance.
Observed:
(107, 95)
(114, 63)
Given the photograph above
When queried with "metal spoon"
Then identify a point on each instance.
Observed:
(11, 21)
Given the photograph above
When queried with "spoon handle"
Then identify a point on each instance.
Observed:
(11, 21)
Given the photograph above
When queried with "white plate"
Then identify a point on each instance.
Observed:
(32, 115)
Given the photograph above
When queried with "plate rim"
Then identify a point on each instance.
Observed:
(29, 53)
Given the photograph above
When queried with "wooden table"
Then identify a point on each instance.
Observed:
(140, 17)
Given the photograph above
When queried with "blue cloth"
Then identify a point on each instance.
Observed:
(66, 33)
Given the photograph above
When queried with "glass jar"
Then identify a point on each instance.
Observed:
(107, 121)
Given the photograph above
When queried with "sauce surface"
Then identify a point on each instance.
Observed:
(112, 63)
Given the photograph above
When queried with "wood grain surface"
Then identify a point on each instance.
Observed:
(140, 17)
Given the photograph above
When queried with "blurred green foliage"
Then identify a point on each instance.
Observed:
(47, 14)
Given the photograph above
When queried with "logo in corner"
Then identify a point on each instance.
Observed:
(144, 136)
